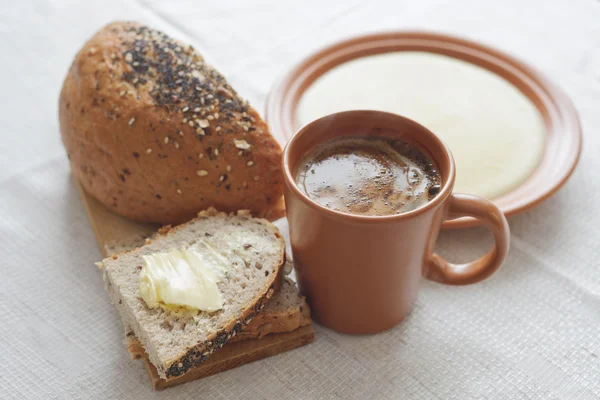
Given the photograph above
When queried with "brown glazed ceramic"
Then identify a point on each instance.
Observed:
(563, 139)
(361, 273)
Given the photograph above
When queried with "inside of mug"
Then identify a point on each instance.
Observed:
(367, 123)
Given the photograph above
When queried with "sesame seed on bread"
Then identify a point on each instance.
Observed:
(175, 343)
(156, 134)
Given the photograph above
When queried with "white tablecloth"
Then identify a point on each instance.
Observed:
(532, 331)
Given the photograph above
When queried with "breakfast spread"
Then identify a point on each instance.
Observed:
(156, 134)
(369, 176)
(495, 132)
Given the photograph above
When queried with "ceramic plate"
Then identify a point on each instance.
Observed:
(563, 130)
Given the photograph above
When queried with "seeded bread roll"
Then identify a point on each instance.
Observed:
(156, 134)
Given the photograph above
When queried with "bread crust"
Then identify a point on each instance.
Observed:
(156, 134)
(196, 355)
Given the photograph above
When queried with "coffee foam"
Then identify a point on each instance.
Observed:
(368, 176)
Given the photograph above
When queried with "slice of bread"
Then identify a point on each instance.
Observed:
(175, 343)
(286, 311)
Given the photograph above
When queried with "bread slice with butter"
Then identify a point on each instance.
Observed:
(175, 340)
(286, 311)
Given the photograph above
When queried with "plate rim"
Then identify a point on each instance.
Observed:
(560, 117)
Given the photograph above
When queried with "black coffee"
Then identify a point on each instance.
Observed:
(369, 176)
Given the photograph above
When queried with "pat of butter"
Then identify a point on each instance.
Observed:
(183, 278)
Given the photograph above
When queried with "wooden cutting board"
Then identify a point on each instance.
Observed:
(112, 231)
(115, 233)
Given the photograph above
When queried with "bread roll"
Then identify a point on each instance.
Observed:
(156, 134)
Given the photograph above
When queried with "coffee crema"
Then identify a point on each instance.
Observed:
(369, 176)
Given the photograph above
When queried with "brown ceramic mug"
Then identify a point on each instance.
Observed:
(360, 273)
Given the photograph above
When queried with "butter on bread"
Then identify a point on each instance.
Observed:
(156, 134)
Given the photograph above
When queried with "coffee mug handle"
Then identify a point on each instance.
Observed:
(461, 205)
